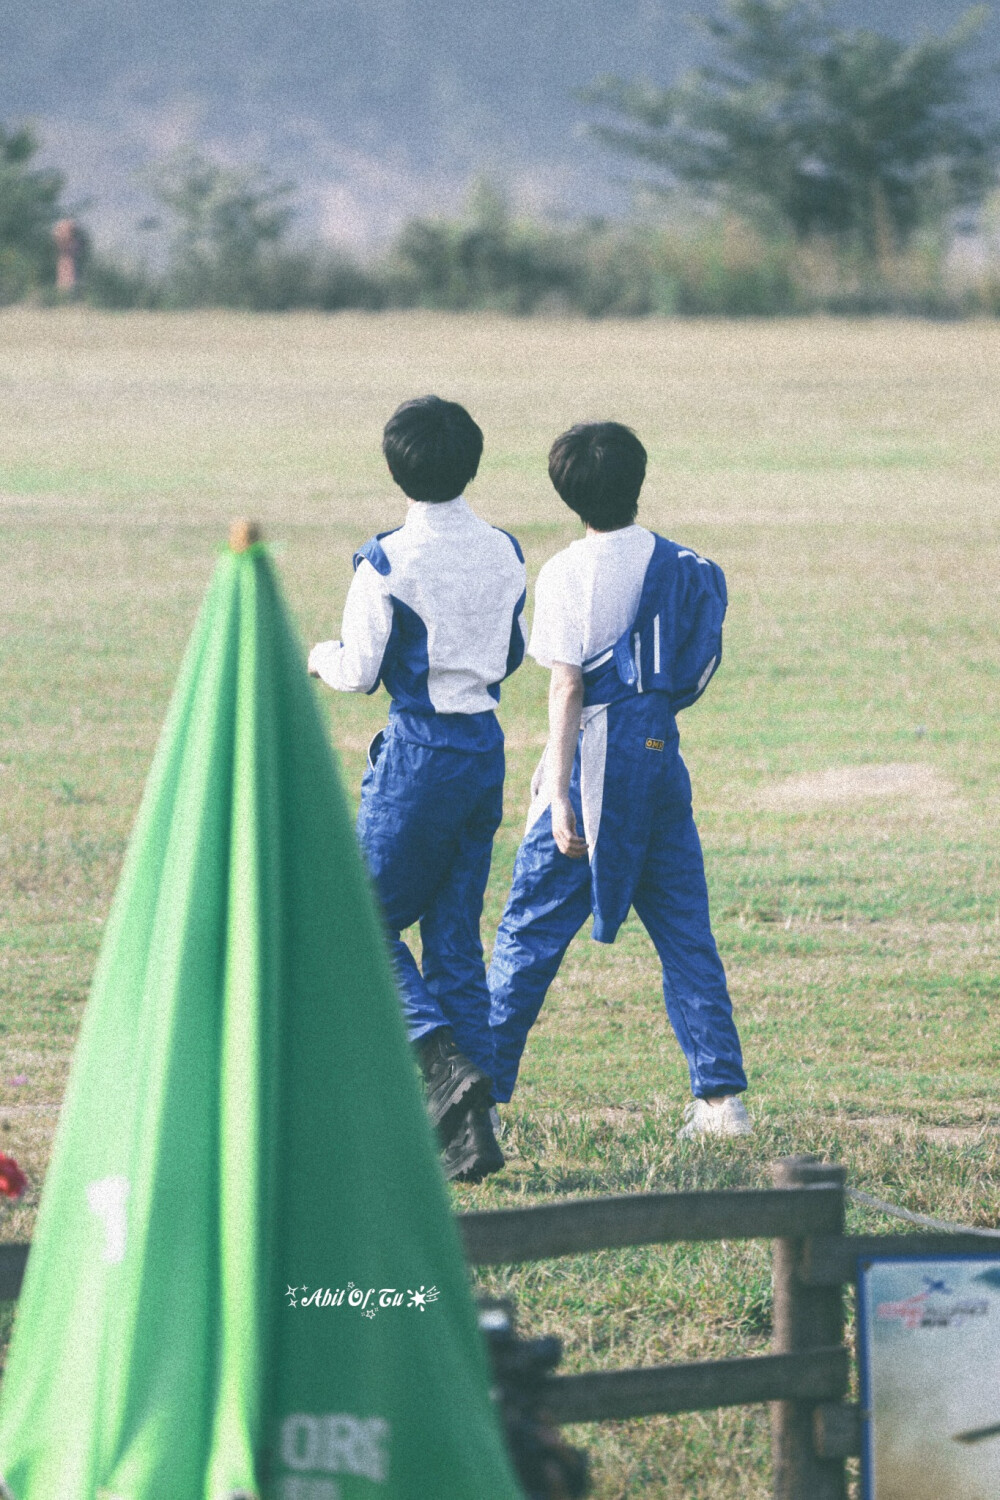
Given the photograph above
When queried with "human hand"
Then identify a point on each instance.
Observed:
(564, 831)
(321, 660)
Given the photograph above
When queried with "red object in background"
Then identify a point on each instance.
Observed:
(12, 1180)
(68, 248)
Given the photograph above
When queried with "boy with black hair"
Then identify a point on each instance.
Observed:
(631, 627)
(434, 612)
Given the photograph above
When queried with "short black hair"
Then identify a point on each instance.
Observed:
(432, 447)
(598, 469)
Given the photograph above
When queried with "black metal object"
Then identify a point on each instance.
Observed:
(547, 1468)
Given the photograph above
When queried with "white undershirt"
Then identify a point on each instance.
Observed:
(587, 595)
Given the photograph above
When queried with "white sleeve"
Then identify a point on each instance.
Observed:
(354, 663)
(556, 630)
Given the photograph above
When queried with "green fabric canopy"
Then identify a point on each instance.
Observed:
(245, 1279)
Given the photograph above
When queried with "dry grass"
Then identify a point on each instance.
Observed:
(846, 762)
(914, 785)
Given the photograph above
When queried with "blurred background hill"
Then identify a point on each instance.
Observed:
(377, 109)
(748, 157)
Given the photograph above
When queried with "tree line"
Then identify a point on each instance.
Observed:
(801, 166)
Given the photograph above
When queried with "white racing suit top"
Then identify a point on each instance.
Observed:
(628, 766)
(434, 612)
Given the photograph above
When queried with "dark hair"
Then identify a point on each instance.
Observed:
(598, 469)
(432, 447)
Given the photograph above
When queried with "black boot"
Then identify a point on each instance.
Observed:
(473, 1152)
(454, 1084)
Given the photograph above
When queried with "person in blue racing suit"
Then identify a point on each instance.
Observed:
(434, 612)
(630, 625)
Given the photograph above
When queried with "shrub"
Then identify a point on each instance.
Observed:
(110, 284)
(17, 275)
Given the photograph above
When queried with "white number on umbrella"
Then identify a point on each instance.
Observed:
(107, 1198)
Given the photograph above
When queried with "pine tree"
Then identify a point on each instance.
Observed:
(29, 206)
(849, 134)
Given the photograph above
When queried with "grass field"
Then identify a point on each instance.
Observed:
(846, 761)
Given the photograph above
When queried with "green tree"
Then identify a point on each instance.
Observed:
(487, 258)
(847, 134)
(225, 226)
(29, 206)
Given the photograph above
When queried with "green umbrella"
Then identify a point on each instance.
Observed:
(245, 1279)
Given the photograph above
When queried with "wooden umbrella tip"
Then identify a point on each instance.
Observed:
(243, 534)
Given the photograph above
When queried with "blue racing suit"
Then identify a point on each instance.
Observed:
(631, 794)
(434, 613)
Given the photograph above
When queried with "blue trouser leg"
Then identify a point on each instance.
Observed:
(549, 902)
(426, 826)
(454, 974)
(421, 1012)
(407, 854)
(671, 901)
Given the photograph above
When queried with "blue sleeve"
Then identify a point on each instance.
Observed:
(701, 609)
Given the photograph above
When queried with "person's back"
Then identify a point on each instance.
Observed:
(587, 595)
(455, 586)
(630, 625)
(434, 613)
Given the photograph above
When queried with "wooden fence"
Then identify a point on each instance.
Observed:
(806, 1377)
(814, 1429)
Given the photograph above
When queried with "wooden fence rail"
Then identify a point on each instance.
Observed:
(611, 1395)
(505, 1236)
(805, 1378)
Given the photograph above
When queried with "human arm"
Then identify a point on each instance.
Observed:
(557, 643)
(565, 706)
(354, 663)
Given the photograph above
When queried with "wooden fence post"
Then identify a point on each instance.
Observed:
(805, 1317)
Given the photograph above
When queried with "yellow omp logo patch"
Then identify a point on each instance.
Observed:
(654, 744)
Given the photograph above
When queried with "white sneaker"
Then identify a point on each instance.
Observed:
(726, 1116)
